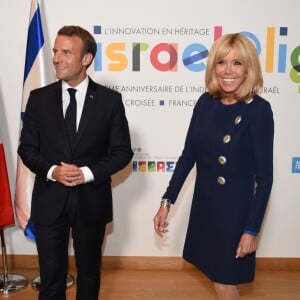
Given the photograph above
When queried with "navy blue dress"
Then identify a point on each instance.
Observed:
(232, 147)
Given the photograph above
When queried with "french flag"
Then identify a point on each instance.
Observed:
(6, 211)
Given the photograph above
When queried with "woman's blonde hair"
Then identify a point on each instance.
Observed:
(247, 53)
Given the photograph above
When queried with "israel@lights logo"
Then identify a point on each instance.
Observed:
(153, 166)
(120, 56)
(144, 162)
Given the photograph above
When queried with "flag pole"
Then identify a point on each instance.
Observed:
(9, 282)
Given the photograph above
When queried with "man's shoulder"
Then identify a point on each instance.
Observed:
(102, 88)
(47, 88)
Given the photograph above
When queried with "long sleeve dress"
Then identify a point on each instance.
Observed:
(232, 147)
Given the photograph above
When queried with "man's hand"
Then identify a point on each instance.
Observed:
(68, 174)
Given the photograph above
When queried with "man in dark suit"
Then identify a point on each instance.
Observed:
(73, 170)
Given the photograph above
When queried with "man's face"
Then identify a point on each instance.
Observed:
(69, 62)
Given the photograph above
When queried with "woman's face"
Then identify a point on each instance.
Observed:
(230, 72)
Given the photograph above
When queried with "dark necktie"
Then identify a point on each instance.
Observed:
(70, 117)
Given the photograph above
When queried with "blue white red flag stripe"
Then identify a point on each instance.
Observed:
(36, 74)
(6, 210)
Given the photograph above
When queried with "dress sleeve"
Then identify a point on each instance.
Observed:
(186, 160)
(262, 135)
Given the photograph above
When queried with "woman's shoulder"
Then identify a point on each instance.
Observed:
(204, 99)
(205, 102)
(205, 96)
(260, 111)
(259, 100)
(260, 104)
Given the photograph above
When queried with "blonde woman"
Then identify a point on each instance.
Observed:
(230, 140)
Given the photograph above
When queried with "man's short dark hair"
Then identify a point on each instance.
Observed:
(89, 43)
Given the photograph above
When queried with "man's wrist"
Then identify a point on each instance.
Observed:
(50, 173)
(87, 173)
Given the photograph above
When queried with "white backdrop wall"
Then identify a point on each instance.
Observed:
(159, 103)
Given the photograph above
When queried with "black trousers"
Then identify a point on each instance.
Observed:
(52, 245)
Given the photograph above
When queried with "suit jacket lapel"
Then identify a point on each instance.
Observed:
(57, 99)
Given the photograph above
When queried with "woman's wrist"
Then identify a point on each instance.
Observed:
(165, 203)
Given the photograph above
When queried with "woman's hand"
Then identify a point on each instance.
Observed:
(160, 221)
(247, 245)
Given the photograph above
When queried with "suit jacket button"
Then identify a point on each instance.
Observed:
(221, 180)
(226, 139)
(237, 120)
(222, 160)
